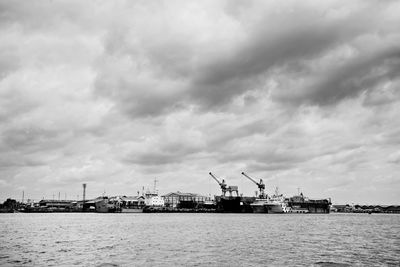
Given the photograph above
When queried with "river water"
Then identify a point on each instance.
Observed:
(92, 239)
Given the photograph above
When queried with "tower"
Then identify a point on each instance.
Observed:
(84, 194)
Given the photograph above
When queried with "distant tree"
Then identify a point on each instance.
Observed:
(10, 203)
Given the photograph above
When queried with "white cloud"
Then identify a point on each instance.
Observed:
(118, 93)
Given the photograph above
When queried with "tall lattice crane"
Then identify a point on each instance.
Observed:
(261, 185)
(224, 187)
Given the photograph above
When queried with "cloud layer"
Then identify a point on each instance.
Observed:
(116, 94)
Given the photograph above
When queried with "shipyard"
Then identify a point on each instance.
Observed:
(229, 201)
(199, 133)
(149, 201)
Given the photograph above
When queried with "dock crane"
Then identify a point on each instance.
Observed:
(224, 187)
(261, 185)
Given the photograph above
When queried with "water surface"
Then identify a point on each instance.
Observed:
(92, 239)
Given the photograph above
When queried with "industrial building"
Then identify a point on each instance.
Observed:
(184, 200)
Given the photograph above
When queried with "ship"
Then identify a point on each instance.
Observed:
(259, 205)
(277, 203)
(301, 204)
(122, 204)
(231, 203)
(267, 204)
(271, 204)
(234, 204)
(133, 204)
(104, 204)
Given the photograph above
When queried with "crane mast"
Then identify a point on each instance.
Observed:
(261, 185)
(224, 187)
(221, 184)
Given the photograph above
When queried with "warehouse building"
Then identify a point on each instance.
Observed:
(185, 200)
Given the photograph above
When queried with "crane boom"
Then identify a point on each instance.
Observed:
(224, 187)
(261, 185)
(251, 179)
(215, 178)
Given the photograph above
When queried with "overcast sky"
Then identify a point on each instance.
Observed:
(304, 94)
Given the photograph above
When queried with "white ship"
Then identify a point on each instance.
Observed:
(259, 205)
(271, 204)
(277, 204)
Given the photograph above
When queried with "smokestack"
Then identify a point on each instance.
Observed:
(84, 194)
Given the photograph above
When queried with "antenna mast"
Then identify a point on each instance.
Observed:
(155, 185)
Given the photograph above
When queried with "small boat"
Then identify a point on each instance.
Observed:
(104, 205)
(298, 209)
(134, 204)
(132, 210)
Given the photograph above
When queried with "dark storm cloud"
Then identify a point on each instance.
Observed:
(30, 139)
(163, 152)
(301, 35)
(138, 98)
(228, 132)
(190, 73)
(268, 160)
(349, 80)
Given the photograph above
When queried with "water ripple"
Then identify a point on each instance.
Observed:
(74, 239)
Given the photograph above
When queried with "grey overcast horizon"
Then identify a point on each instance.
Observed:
(303, 94)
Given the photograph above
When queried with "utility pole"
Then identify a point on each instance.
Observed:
(84, 194)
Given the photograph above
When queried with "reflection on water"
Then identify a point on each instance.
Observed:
(199, 239)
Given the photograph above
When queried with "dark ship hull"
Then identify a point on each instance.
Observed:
(234, 204)
(311, 206)
(227, 204)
